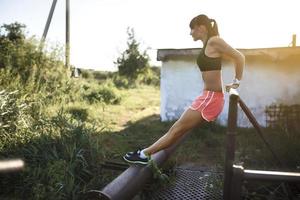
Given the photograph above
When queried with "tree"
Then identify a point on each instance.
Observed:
(12, 46)
(131, 63)
(14, 31)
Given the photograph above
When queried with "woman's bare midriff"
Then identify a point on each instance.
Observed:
(212, 80)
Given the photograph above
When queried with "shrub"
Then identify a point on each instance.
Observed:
(86, 74)
(149, 77)
(78, 113)
(100, 75)
(13, 114)
(104, 94)
(122, 82)
(26, 68)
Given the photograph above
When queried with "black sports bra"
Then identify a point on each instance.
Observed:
(206, 63)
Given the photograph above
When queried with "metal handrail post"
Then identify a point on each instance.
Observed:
(237, 182)
(230, 143)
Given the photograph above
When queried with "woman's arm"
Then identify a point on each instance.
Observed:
(227, 51)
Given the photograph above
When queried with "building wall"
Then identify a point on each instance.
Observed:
(180, 84)
(265, 82)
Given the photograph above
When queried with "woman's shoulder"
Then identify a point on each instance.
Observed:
(215, 40)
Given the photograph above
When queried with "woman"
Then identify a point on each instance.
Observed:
(209, 105)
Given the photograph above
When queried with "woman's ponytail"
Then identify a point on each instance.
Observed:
(213, 29)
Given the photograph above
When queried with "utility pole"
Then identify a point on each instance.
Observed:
(67, 63)
(294, 40)
(48, 24)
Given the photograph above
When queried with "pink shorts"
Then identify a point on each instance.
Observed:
(209, 104)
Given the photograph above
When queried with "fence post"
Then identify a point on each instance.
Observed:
(230, 144)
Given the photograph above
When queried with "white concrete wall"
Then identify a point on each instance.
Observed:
(264, 83)
(180, 84)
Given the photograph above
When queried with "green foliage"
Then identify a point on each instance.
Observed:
(149, 77)
(106, 94)
(13, 32)
(60, 149)
(26, 69)
(12, 112)
(58, 162)
(102, 75)
(122, 82)
(157, 173)
(78, 113)
(131, 63)
(86, 74)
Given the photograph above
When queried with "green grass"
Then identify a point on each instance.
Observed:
(74, 136)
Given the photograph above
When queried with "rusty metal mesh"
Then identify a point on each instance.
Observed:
(191, 185)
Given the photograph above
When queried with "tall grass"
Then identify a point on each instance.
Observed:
(57, 124)
(61, 147)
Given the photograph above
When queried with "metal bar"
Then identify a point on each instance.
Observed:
(237, 182)
(115, 166)
(11, 165)
(258, 129)
(230, 144)
(271, 176)
(48, 23)
(67, 64)
(132, 180)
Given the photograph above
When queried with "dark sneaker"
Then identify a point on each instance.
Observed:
(132, 152)
(134, 157)
(129, 153)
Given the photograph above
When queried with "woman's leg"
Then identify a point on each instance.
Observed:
(188, 120)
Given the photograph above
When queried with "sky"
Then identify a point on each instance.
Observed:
(98, 27)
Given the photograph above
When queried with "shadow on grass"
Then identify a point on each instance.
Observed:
(206, 144)
(203, 146)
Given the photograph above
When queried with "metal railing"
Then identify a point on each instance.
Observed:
(235, 174)
(11, 165)
(133, 179)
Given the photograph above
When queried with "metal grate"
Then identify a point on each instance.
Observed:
(191, 185)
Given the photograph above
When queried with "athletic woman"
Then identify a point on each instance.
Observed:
(207, 106)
